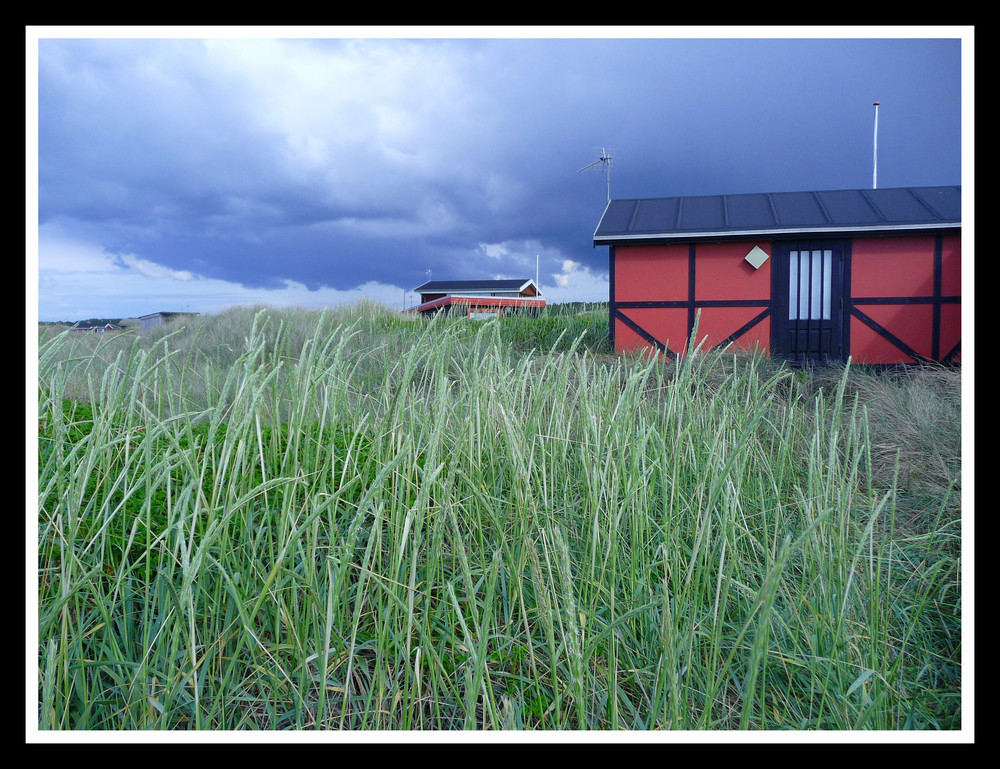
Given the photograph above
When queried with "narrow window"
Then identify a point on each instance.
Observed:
(809, 281)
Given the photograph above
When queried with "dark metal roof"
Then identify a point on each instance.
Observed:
(165, 314)
(472, 285)
(779, 213)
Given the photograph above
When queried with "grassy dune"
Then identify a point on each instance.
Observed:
(356, 520)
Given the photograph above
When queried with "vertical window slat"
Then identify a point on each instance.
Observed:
(816, 287)
(827, 282)
(803, 285)
(793, 285)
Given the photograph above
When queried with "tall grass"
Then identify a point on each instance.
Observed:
(353, 520)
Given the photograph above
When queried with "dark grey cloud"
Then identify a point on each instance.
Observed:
(341, 162)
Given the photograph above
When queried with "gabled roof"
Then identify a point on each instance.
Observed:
(81, 326)
(779, 213)
(466, 286)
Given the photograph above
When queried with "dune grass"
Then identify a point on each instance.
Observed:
(356, 520)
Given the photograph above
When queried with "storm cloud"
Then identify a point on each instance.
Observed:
(309, 169)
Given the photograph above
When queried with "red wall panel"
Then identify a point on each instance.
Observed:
(951, 266)
(867, 346)
(718, 323)
(951, 328)
(899, 266)
(912, 324)
(667, 324)
(645, 273)
(722, 272)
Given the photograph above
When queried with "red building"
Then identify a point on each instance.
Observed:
(810, 276)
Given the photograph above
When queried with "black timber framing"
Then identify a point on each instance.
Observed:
(937, 300)
(615, 308)
(612, 307)
(851, 303)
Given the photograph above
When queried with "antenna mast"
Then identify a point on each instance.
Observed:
(605, 159)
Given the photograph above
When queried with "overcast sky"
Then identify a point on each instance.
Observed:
(317, 166)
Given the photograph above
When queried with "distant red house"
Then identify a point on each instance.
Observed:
(808, 276)
(478, 298)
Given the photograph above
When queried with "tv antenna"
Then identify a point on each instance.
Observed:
(605, 159)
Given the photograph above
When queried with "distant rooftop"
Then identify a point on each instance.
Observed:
(165, 314)
(779, 213)
(433, 286)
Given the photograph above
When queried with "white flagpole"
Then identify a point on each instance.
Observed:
(875, 152)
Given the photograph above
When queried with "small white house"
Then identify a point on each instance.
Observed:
(154, 319)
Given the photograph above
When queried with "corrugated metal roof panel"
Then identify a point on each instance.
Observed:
(849, 206)
(946, 201)
(649, 214)
(702, 212)
(750, 211)
(618, 215)
(900, 205)
(746, 215)
(799, 209)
